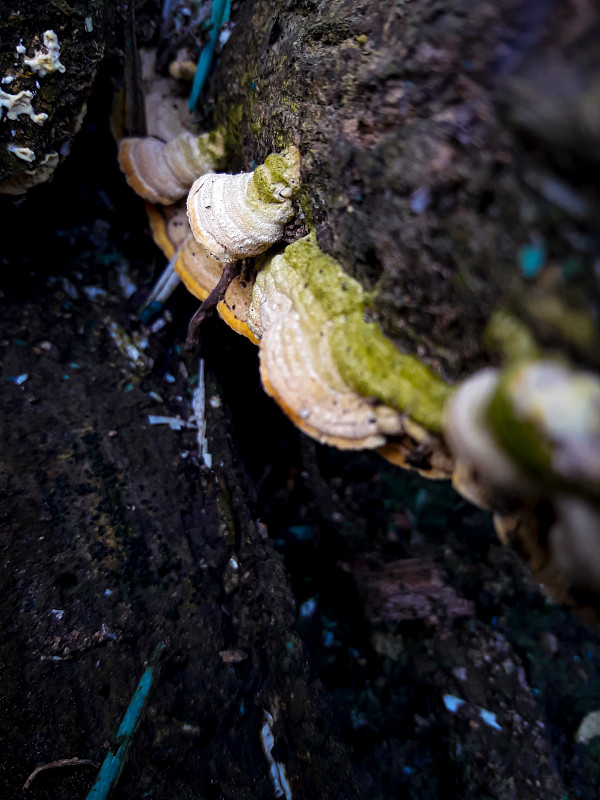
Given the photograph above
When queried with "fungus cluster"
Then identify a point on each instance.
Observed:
(527, 446)
(45, 61)
(523, 442)
(335, 375)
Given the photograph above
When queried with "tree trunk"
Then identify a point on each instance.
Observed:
(415, 122)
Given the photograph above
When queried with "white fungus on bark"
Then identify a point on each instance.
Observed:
(46, 60)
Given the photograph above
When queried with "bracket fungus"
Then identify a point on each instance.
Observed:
(237, 216)
(167, 113)
(169, 226)
(527, 444)
(546, 416)
(334, 374)
(162, 172)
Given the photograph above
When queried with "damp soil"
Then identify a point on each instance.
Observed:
(400, 649)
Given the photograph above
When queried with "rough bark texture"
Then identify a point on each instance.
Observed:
(81, 29)
(418, 179)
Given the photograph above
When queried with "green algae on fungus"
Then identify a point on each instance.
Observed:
(511, 338)
(237, 216)
(278, 177)
(546, 416)
(326, 298)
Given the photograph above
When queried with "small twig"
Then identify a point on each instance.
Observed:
(64, 762)
(230, 271)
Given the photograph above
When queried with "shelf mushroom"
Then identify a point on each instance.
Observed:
(237, 216)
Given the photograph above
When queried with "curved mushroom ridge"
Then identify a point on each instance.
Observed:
(468, 434)
(169, 226)
(327, 299)
(200, 273)
(237, 216)
(298, 371)
(163, 172)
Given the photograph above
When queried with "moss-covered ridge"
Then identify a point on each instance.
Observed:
(277, 178)
(325, 296)
(546, 415)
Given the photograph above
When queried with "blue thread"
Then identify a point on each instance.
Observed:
(218, 17)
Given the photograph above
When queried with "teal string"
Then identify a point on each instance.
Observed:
(219, 16)
(113, 764)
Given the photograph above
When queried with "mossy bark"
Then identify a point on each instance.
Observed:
(439, 167)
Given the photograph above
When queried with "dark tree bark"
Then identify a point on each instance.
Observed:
(442, 145)
(82, 30)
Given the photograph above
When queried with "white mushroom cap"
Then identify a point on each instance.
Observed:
(468, 435)
(229, 219)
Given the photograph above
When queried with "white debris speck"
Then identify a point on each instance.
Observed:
(199, 407)
(420, 199)
(460, 673)
(46, 60)
(308, 608)
(129, 346)
(224, 36)
(8, 79)
(453, 703)
(106, 633)
(158, 325)
(281, 786)
(215, 401)
(174, 423)
(489, 718)
(169, 378)
(19, 379)
(57, 613)
(89, 25)
(589, 727)
(305, 413)
(94, 293)
(20, 48)
(20, 103)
